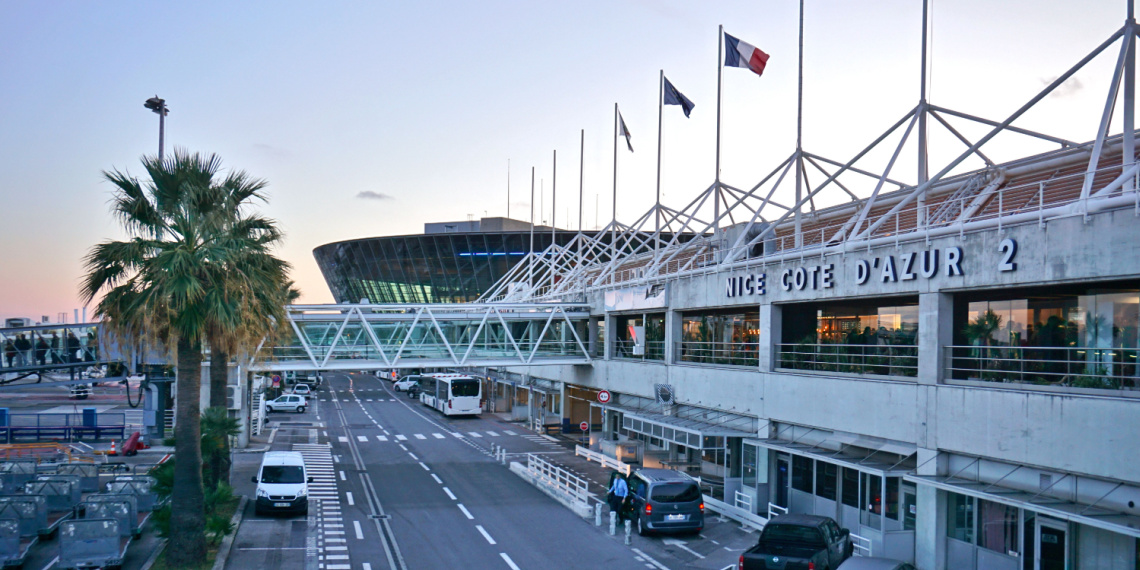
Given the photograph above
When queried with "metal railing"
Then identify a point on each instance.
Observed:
(729, 353)
(742, 516)
(603, 459)
(651, 349)
(875, 359)
(863, 545)
(1063, 366)
(775, 510)
(575, 487)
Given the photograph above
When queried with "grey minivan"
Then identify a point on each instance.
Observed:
(666, 501)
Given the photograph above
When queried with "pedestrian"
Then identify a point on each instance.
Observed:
(23, 346)
(56, 355)
(73, 348)
(10, 352)
(41, 352)
(619, 489)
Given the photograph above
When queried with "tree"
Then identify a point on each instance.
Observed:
(191, 266)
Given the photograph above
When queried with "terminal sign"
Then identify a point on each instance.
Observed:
(604, 397)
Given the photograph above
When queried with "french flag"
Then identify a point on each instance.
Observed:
(742, 54)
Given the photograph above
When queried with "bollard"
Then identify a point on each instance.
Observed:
(628, 530)
(598, 514)
(613, 523)
(504, 459)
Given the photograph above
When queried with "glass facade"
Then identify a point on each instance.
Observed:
(729, 337)
(428, 268)
(869, 337)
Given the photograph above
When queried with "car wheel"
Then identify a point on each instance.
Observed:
(269, 409)
(300, 409)
(641, 530)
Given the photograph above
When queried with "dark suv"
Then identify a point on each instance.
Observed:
(666, 501)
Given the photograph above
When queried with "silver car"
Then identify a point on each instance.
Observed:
(861, 563)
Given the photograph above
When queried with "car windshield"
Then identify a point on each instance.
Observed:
(676, 493)
(462, 388)
(282, 474)
(791, 533)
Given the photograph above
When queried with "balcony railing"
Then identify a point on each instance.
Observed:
(874, 359)
(653, 350)
(1066, 366)
(728, 353)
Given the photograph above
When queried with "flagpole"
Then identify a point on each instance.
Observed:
(530, 266)
(923, 173)
(613, 223)
(799, 238)
(581, 186)
(657, 206)
(716, 183)
(553, 215)
(508, 188)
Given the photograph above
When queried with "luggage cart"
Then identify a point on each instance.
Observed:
(14, 545)
(92, 543)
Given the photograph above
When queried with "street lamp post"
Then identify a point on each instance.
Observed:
(158, 106)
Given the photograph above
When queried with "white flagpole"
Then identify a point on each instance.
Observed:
(530, 266)
(613, 224)
(657, 206)
(581, 186)
(553, 215)
(508, 188)
(799, 238)
(716, 183)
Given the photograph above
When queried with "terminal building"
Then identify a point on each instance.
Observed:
(947, 366)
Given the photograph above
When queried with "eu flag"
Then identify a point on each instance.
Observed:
(674, 97)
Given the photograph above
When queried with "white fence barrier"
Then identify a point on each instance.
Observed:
(862, 545)
(559, 478)
(605, 460)
(746, 518)
(743, 501)
(775, 510)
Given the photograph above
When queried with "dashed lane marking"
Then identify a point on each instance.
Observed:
(450, 495)
(508, 560)
(356, 528)
(484, 533)
(466, 512)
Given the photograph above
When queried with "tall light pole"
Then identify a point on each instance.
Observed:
(158, 106)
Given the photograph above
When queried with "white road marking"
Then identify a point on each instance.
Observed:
(342, 439)
(349, 495)
(362, 438)
(426, 468)
(401, 438)
(457, 434)
(359, 532)
(437, 435)
(484, 533)
(681, 544)
(492, 434)
(413, 456)
(655, 563)
(366, 566)
(509, 432)
(437, 479)
(508, 560)
(342, 476)
(449, 494)
(52, 563)
(420, 436)
(475, 434)
(465, 511)
(381, 438)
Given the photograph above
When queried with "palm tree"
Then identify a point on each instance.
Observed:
(191, 266)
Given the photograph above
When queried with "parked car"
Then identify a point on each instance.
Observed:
(282, 483)
(414, 390)
(665, 500)
(869, 563)
(302, 390)
(799, 541)
(405, 383)
(287, 402)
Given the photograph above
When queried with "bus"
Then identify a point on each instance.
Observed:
(452, 394)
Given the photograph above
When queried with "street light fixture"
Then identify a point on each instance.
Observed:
(158, 106)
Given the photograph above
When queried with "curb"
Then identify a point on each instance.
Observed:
(154, 555)
(228, 541)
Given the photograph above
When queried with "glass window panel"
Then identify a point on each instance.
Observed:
(748, 458)
(803, 473)
(997, 527)
(826, 480)
(960, 517)
(850, 490)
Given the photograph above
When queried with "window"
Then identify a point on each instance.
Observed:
(676, 493)
(749, 465)
(960, 517)
(826, 478)
(464, 388)
(721, 337)
(282, 474)
(870, 512)
(802, 473)
(997, 527)
(852, 337)
(893, 498)
(850, 487)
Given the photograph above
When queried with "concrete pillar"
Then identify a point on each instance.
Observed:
(935, 331)
(930, 524)
(592, 345)
(771, 328)
(609, 335)
(673, 333)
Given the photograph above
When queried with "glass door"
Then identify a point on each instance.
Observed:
(783, 479)
(909, 506)
(1052, 544)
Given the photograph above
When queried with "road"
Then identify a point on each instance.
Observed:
(404, 487)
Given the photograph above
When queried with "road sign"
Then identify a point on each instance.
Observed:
(584, 425)
(604, 396)
(276, 380)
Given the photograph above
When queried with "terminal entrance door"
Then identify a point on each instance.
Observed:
(1052, 544)
(783, 479)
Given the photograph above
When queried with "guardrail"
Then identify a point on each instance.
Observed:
(559, 478)
(737, 514)
(605, 460)
(775, 510)
(862, 545)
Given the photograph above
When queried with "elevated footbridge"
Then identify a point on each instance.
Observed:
(363, 337)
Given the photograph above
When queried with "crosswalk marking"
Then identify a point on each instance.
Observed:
(382, 438)
(509, 432)
(420, 436)
(342, 439)
(492, 434)
(437, 435)
(362, 438)
(401, 438)
(474, 434)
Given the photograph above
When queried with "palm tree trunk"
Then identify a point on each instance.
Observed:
(187, 546)
(219, 379)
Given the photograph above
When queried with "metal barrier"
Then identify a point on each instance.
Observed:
(746, 518)
(605, 460)
(862, 545)
(559, 478)
(775, 510)
(742, 501)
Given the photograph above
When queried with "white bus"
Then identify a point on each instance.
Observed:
(452, 394)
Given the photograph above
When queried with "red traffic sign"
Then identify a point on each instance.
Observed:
(585, 426)
(604, 396)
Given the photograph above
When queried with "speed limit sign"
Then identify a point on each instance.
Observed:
(604, 397)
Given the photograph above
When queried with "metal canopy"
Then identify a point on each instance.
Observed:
(874, 461)
(1082, 513)
(684, 431)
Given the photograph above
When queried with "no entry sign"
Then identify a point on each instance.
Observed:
(604, 397)
(584, 425)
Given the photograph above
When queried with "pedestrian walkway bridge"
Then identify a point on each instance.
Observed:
(364, 337)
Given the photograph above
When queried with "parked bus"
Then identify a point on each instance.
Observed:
(17, 322)
(452, 394)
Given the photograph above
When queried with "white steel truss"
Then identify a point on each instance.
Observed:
(364, 337)
(748, 227)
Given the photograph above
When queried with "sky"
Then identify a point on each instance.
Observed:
(372, 118)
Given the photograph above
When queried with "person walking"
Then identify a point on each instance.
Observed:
(619, 489)
(23, 346)
(73, 348)
(10, 353)
(41, 351)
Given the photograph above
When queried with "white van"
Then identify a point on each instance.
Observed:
(282, 483)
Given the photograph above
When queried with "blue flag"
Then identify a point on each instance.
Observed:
(673, 97)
